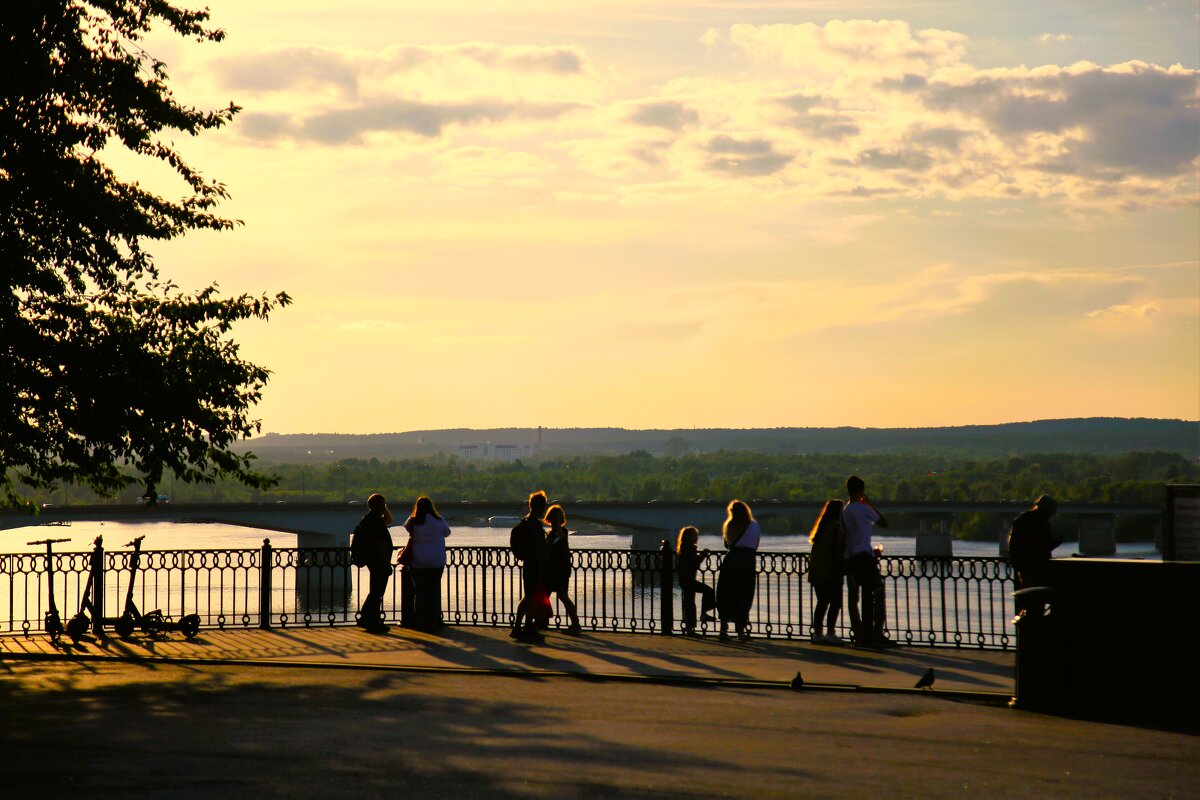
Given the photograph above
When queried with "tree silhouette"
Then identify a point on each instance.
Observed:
(105, 363)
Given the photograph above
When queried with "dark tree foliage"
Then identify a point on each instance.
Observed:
(104, 364)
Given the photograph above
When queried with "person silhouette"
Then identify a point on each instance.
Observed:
(687, 563)
(558, 564)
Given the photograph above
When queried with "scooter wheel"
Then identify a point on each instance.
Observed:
(54, 627)
(124, 626)
(77, 627)
(190, 625)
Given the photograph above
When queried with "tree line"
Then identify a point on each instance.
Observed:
(1135, 478)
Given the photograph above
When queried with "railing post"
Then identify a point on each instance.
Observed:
(264, 587)
(98, 588)
(667, 589)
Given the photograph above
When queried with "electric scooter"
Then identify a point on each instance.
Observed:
(151, 622)
(79, 624)
(54, 626)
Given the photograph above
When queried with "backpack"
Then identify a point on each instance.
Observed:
(359, 547)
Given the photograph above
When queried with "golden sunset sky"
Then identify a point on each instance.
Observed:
(712, 214)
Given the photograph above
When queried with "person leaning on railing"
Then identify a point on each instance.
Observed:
(427, 538)
(739, 568)
(858, 516)
(826, 571)
(687, 564)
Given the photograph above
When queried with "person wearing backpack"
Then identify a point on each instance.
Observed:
(528, 543)
(372, 548)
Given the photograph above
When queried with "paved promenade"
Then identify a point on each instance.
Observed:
(338, 712)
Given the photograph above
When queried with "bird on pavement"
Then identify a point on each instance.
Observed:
(798, 682)
(926, 681)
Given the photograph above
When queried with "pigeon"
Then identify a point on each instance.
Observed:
(926, 681)
(798, 682)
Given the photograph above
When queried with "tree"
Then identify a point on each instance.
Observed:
(107, 365)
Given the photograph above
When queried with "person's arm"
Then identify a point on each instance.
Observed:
(882, 520)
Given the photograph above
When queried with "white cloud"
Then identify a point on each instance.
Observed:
(850, 47)
(1125, 311)
(1055, 37)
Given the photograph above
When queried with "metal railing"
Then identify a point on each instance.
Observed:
(954, 602)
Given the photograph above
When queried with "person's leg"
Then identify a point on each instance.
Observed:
(371, 613)
(408, 598)
(835, 607)
(435, 598)
(862, 602)
(819, 611)
(687, 594)
(572, 612)
(533, 579)
(421, 598)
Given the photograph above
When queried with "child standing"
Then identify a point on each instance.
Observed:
(558, 564)
(826, 568)
(687, 564)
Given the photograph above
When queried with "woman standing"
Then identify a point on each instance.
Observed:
(558, 564)
(427, 533)
(736, 580)
(826, 568)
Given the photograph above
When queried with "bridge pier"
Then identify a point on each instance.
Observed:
(935, 544)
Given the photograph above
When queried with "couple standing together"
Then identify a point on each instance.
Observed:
(423, 559)
(841, 548)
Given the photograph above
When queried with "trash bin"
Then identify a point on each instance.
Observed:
(1043, 650)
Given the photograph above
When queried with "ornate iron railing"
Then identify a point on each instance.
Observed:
(955, 602)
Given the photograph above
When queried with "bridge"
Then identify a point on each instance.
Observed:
(330, 524)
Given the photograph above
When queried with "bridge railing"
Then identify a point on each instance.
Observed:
(954, 602)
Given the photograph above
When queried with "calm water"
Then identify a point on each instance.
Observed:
(185, 536)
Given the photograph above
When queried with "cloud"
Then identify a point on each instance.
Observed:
(295, 67)
(1055, 37)
(850, 47)
(753, 157)
(666, 114)
(1134, 117)
(816, 121)
(1124, 311)
(286, 69)
(348, 125)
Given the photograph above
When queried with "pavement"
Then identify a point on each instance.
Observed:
(340, 712)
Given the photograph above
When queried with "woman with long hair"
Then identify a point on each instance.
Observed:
(738, 574)
(558, 564)
(427, 533)
(687, 563)
(826, 571)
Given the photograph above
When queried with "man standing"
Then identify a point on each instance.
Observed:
(1031, 542)
(857, 518)
(528, 542)
(376, 543)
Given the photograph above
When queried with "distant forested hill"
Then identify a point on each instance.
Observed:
(1098, 435)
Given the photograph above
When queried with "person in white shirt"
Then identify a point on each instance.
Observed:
(739, 570)
(427, 533)
(858, 516)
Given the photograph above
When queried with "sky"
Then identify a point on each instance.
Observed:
(703, 214)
